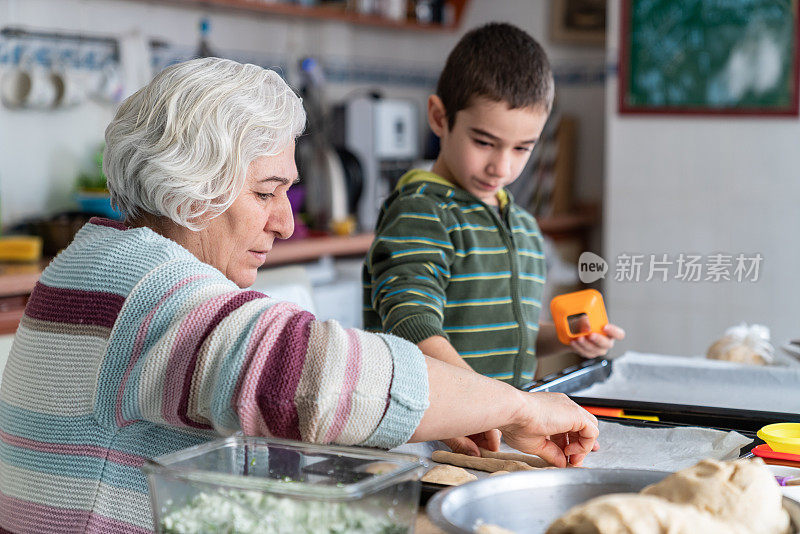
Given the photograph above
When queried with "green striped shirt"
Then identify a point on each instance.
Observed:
(444, 263)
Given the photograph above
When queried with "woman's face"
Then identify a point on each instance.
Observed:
(237, 242)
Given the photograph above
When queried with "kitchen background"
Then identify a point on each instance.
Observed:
(609, 183)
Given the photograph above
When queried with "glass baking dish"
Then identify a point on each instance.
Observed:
(247, 485)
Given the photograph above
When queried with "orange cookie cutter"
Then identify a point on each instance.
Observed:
(585, 307)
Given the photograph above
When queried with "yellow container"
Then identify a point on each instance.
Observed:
(20, 248)
(782, 437)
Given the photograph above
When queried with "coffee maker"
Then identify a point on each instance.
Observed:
(383, 134)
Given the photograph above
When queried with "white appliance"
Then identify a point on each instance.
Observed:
(384, 135)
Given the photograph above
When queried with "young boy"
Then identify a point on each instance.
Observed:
(456, 266)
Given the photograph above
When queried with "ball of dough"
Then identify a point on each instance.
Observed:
(630, 513)
(738, 497)
(732, 351)
(448, 475)
(743, 492)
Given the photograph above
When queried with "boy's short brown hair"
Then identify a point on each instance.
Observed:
(500, 62)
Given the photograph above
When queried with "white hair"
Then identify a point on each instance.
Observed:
(180, 146)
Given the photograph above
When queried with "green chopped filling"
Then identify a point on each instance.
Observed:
(252, 512)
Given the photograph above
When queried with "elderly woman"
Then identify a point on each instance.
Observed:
(139, 339)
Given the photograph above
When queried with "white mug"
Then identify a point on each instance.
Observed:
(70, 87)
(29, 86)
(14, 85)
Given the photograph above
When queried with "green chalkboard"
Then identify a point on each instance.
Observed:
(709, 56)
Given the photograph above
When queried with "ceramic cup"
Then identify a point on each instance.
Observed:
(29, 86)
(70, 87)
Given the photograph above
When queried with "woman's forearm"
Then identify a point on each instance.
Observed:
(462, 402)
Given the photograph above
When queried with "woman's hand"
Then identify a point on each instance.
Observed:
(464, 403)
(471, 444)
(594, 344)
(553, 427)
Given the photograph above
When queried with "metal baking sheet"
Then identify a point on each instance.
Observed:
(529, 501)
(684, 390)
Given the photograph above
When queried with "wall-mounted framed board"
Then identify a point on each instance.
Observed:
(700, 57)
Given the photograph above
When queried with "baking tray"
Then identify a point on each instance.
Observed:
(529, 501)
(581, 376)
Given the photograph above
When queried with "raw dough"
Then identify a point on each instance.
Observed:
(723, 349)
(481, 464)
(743, 492)
(448, 475)
(380, 468)
(630, 513)
(492, 529)
(531, 460)
(744, 344)
(499, 473)
(739, 497)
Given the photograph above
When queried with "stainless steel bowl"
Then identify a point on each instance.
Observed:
(528, 501)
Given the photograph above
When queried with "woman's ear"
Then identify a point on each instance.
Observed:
(437, 116)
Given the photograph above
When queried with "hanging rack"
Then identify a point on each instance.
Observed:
(12, 32)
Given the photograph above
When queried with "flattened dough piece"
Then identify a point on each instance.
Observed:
(481, 464)
(530, 459)
(448, 475)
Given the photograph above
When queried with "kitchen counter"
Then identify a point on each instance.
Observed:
(20, 278)
(17, 280)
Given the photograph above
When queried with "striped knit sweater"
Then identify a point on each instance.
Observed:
(130, 347)
(444, 263)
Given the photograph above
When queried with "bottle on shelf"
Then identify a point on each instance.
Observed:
(203, 48)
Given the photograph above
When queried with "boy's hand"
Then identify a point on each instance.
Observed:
(594, 344)
(470, 444)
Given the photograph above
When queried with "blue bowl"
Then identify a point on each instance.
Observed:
(97, 204)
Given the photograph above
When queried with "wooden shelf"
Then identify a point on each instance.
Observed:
(312, 248)
(322, 12)
(9, 320)
(19, 279)
(569, 223)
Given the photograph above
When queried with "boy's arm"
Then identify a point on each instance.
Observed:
(441, 349)
(408, 269)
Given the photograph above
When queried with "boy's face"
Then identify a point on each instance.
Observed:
(488, 145)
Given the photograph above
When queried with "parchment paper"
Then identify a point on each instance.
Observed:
(662, 449)
(629, 447)
(698, 381)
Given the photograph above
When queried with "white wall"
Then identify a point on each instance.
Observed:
(700, 185)
(42, 152)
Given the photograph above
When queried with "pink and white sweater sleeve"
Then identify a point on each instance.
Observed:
(191, 349)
